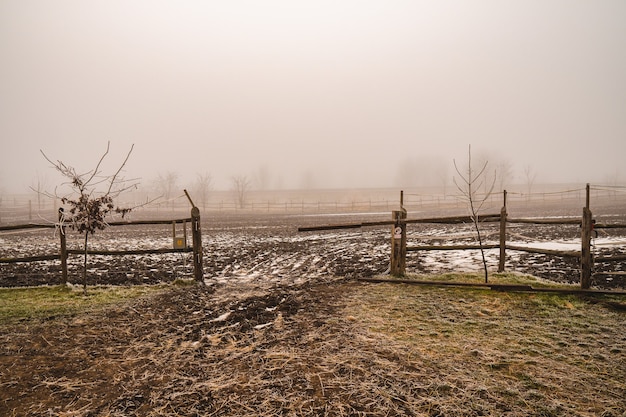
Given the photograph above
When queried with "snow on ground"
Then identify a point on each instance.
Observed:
(269, 248)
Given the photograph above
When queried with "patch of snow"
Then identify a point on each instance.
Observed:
(223, 317)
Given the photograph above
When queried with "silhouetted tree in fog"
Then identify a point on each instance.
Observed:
(262, 178)
(505, 173)
(529, 176)
(166, 183)
(39, 187)
(202, 188)
(241, 186)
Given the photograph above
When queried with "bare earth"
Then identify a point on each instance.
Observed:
(283, 329)
(334, 348)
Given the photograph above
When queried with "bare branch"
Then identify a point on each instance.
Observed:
(96, 170)
(114, 177)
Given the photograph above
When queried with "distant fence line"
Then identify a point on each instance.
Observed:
(24, 209)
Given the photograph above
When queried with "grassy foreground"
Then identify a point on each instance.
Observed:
(49, 302)
(493, 353)
(333, 349)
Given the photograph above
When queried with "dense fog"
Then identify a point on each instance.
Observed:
(315, 94)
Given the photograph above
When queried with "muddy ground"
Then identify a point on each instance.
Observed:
(325, 348)
(246, 246)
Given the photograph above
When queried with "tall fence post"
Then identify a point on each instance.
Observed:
(63, 251)
(502, 235)
(586, 257)
(398, 243)
(196, 235)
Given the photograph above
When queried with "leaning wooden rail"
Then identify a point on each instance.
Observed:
(344, 226)
(450, 247)
(567, 253)
(28, 226)
(93, 252)
(121, 223)
(450, 220)
(573, 254)
(545, 221)
(29, 259)
(144, 222)
(609, 226)
(611, 258)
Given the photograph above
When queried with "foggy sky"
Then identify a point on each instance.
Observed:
(326, 93)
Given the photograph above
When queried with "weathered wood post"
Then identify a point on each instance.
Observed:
(586, 257)
(398, 241)
(196, 235)
(63, 251)
(196, 238)
(502, 235)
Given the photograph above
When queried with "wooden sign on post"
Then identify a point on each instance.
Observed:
(180, 242)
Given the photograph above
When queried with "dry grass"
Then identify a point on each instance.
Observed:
(47, 302)
(335, 348)
(499, 353)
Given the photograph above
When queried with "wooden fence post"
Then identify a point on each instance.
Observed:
(196, 235)
(502, 235)
(63, 251)
(398, 243)
(586, 258)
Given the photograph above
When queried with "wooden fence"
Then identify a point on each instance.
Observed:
(399, 248)
(179, 244)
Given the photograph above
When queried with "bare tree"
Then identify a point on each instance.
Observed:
(166, 184)
(308, 181)
(262, 178)
(39, 187)
(91, 198)
(241, 186)
(202, 188)
(529, 175)
(505, 173)
(471, 182)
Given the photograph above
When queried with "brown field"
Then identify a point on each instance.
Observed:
(336, 348)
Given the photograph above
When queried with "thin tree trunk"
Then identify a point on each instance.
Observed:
(85, 265)
(482, 249)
